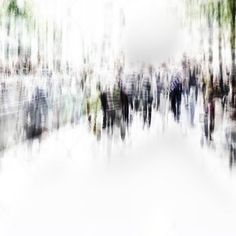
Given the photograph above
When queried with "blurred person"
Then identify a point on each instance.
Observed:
(118, 110)
(226, 89)
(104, 105)
(147, 99)
(204, 90)
(185, 92)
(117, 101)
(158, 90)
(164, 96)
(193, 81)
(137, 92)
(175, 94)
(185, 82)
(192, 104)
(193, 90)
(210, 110)
(124, 104)
(110, 111)
(230, 135)
(93, 109)
(88, 105)
(130, 89)
(36, 114)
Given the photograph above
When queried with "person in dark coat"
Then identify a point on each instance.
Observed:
(124, 104)
(175, 95)
(36, 113)
(104, 105)
(110, 110)
(193, 80)
(158, 90)
(147, 99)
(211, 106)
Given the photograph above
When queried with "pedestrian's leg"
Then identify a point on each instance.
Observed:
(112, 120)
(191, 114)
(173, 106)
(104, 119)
(212, 126)
(144, 113)
(127, 113)
(158, 100)
(212, 119)
(131, 103)
(178, 103)
(108, 120)
(149, 114)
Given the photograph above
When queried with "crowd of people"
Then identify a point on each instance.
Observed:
(34, 103)
(163, 88)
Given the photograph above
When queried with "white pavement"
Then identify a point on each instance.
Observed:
(154, 183)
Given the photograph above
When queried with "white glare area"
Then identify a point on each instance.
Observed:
(148, 186)
(152, 29)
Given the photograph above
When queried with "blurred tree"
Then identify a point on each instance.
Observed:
(16, 13)
(223, 12)
(231, 7)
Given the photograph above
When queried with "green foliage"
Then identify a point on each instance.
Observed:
(12, 9)
(199, 9)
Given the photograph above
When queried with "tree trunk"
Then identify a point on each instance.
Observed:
(210, 41)
(8, 37)
(220, 47)
(232, 42)
(39, 48)
(19, 46)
